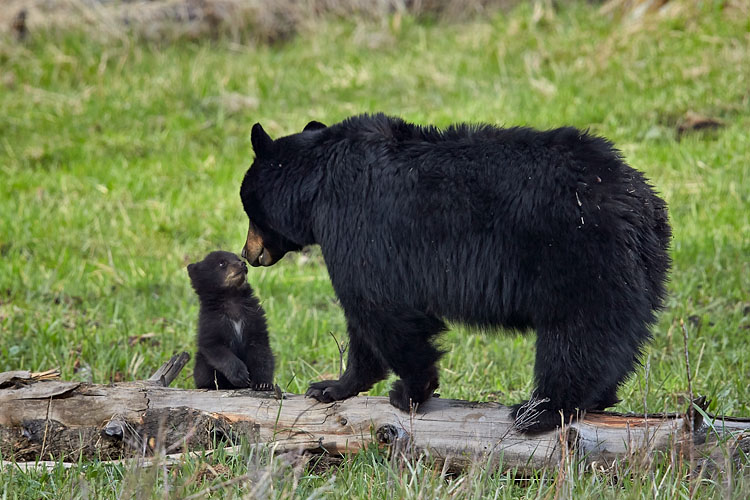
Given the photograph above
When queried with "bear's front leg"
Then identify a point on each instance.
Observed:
(363, 369)
(402, 340)
(406, 345)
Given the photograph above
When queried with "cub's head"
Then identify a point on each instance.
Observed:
(266, 242)
(219, 271)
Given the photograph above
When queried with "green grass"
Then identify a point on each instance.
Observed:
(121, 162)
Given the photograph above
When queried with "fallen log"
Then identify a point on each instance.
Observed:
(58, 420)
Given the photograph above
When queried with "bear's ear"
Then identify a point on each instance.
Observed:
(262, 142)
(313, 125)
(190, 269)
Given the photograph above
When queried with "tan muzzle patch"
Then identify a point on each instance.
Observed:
(254, 251)
(234, 279)
(253, 245)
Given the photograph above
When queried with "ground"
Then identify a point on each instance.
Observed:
(101, 140)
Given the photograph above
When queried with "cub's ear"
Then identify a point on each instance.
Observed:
(191, 269)
(313, 125)
(262, 142)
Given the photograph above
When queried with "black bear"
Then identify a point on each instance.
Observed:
(487, 226)
(233, 348)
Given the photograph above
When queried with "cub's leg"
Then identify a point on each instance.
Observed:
(225, 362)
(260, 363)
(206, 377)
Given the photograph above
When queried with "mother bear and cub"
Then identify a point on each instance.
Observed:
(475, 224)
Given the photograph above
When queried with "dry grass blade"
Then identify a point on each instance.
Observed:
(528, 413)
(52, 374)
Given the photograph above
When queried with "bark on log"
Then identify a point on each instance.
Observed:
(57, 419)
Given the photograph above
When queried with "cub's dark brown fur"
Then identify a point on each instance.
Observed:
(233, 348)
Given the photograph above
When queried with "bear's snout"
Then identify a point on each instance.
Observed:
(253, 250)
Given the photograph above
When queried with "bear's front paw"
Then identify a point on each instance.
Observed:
(328, 391)
(404, 400)
(399, 397)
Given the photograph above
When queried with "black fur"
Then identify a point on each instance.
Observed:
(233, 348)
(491, 227)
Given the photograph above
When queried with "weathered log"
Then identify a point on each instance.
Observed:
(42, 420)
(166, 374)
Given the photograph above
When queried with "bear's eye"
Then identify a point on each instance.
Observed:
(223, 264)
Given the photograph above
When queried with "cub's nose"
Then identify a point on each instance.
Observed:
(243, 265)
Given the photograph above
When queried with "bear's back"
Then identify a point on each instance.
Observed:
(475, 218)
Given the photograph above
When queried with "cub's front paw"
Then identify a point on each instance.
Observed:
(328, 391)
(238, 376)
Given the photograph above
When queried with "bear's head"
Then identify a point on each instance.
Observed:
(216, 272)
(263, 196)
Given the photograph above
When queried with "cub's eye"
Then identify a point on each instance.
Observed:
(223, 263)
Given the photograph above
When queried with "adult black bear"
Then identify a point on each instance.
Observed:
(476, 224)
(233, 348)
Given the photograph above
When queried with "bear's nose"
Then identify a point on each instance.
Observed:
(244, 266)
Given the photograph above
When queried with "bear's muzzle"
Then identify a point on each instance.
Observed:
(254, 251)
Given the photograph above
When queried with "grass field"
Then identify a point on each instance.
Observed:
(121, 162)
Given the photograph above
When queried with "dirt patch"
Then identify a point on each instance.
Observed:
(693, 122)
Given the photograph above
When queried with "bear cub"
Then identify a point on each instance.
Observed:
(233, 348)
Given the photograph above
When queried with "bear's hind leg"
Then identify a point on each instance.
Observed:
(606, 399)
(579, 367)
